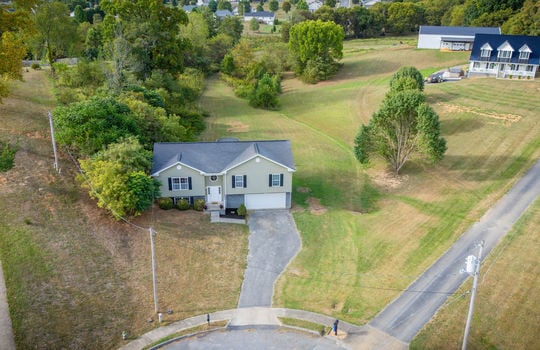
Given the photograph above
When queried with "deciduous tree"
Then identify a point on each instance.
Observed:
(316, 40)
(153, 31)
(12, 51)
(404, 125)
(55, 31)
(116, 178)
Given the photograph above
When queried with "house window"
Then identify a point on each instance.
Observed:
(504, 54)
(530, 68)
(239, 181)
(512, 67)
(524, 55)
(275, 180)
(476, 65)
(180, 183)
(485, 52)
(491, 65)
(213, 178)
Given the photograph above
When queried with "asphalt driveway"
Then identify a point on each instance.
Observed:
(273, 242)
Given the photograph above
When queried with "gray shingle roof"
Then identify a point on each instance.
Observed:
(454, 30)
(217, 157)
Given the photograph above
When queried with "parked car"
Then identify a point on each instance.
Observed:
(435, 78)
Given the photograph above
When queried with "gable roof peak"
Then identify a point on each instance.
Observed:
(525, 48)
(505, 47)
(486, 46)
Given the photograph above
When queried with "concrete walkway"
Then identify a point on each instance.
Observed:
(7, 341)
(351, 336)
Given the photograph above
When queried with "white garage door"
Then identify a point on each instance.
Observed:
(265, 201)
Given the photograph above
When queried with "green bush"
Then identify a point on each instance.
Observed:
(165, 203)
(182, 204)
(35, 66)
(198, 204)
(7, 157)
(242, 211)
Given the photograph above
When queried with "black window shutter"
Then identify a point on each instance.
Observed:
(233, 182)
(281, 180)
(245, 181)
(170, 184)
(270, 180)
(189, 182)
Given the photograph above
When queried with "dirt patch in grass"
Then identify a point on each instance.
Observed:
(315, 207)
(389, 180)
(507, 118)
(237, 126)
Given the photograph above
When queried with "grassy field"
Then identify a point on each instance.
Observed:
(75, 277)
(367, 234)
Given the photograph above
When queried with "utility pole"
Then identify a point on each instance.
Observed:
(476, 262)
(153, 268)
(53, 142)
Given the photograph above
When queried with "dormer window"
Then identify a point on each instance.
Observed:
(505, 51)
(485, 50)
(524, 52)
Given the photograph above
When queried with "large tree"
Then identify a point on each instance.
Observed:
(117, 178)
(12, 51)
(91, 125)
(404, 125)
(152, 29)
(316, 44)
(55, 31)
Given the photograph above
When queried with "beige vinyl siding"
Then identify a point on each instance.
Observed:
(197, 182)
(257, 177)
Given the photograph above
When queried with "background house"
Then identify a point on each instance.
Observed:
(257, 174)
(261, 16)
(505, 56)
(451, 38)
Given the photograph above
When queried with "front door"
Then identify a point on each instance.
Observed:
(214, 194)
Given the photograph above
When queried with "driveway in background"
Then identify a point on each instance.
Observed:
(273, 242)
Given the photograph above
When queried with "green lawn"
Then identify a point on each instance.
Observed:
(366, 234)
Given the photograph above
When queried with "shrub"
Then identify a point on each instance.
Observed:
(35, 66)
(182, 204)
(242, 211)
(7, 157)
(165, 203)
(198, 204)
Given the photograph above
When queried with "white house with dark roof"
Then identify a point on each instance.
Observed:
(451, 38)
(226, 173)
(505, 56)
(261, 16)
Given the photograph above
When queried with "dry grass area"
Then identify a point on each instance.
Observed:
(506, 313)
(76, 278)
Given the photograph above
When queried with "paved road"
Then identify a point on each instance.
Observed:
(273, 242)
(7, 342)
(260, 338)
(408, 313)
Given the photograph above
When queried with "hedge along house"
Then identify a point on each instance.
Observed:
(505, 56)
(451, 38)
(226, 173)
